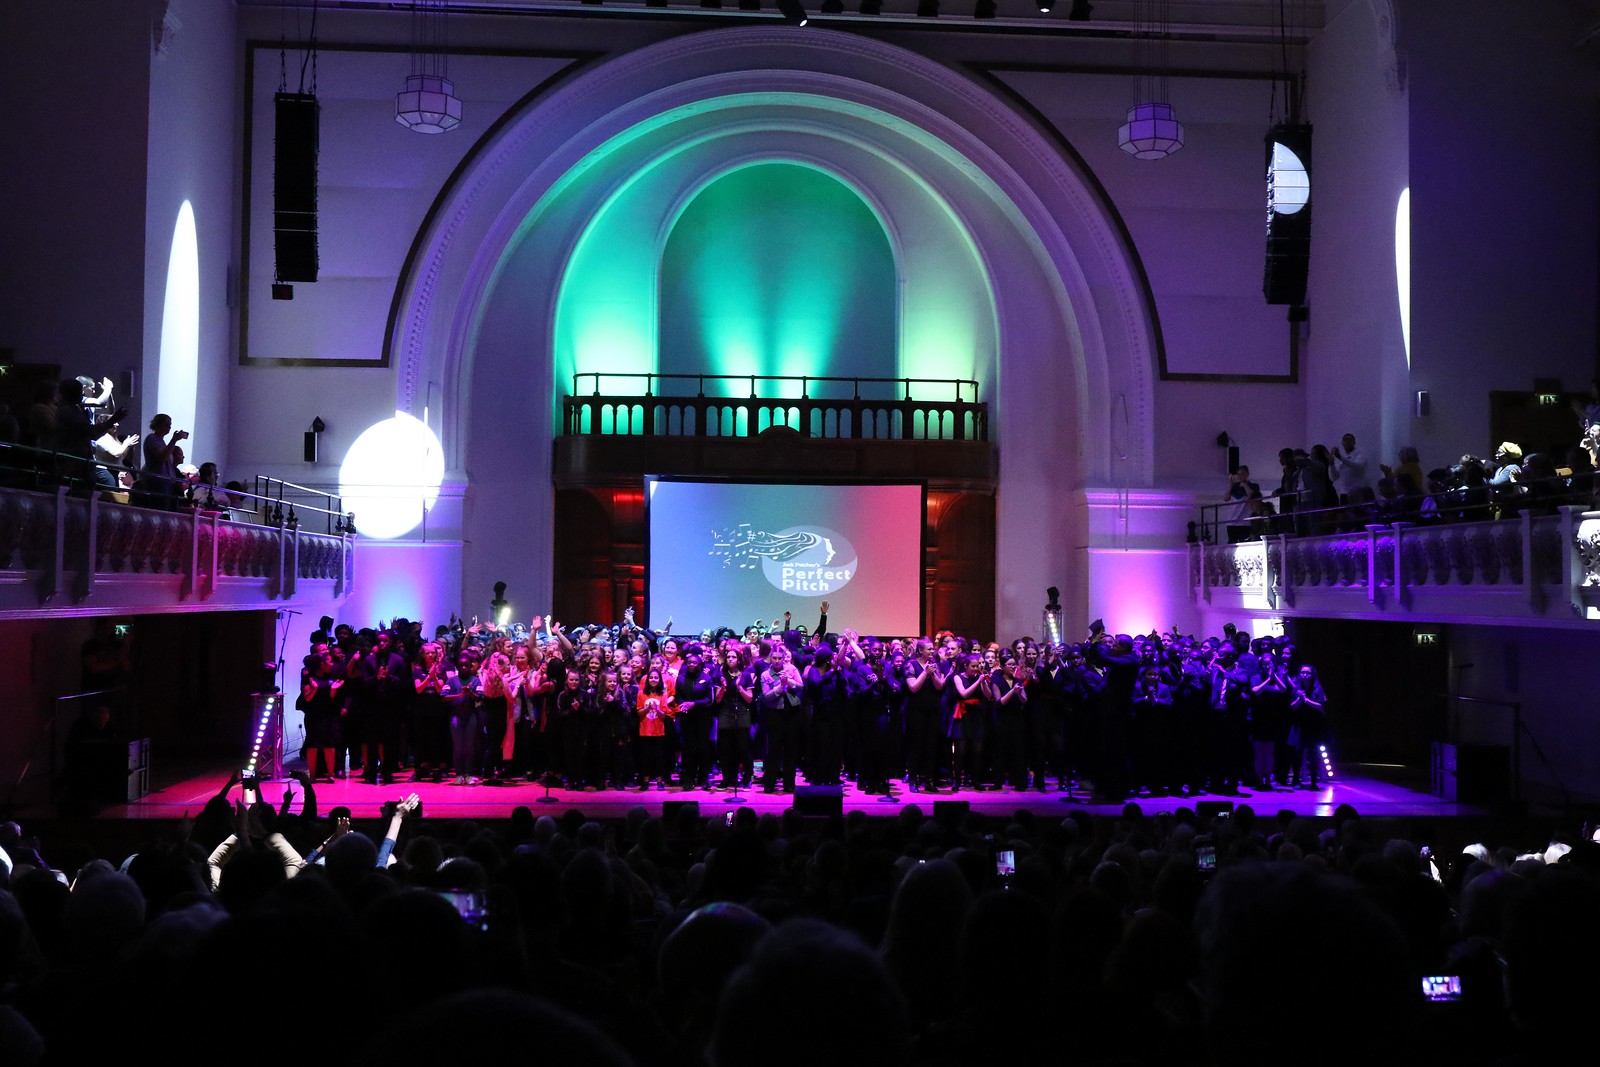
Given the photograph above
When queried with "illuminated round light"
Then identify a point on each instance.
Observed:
(1291, 185)
(390, 477)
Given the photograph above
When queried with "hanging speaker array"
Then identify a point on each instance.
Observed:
(294, 187)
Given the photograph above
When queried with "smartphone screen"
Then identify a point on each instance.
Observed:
(470, 906)
(1005, 863)
(1442, 987)
(1205, 858)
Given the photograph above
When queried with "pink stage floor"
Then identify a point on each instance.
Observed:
(1372, 790)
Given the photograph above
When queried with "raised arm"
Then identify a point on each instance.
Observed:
(401, 810)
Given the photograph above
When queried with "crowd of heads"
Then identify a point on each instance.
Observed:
(1135, 938)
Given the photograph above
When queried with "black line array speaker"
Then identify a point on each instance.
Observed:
(819, 799)
(294, 187)
(1288, 231)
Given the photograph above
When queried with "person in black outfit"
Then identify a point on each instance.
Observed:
(696, 698)
(925, 678)
(778, 693)
(733, 719)
(1121, 664)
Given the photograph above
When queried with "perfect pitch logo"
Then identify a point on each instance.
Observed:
(803, 560)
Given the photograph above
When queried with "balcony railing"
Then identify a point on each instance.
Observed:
(893, 415)
(1543, 566)
(60, 549)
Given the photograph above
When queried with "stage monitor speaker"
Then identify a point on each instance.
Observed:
(671, 808)
(294, 187)
(953, 810)
(1472, 774)
(1206, 810)
(823, 800)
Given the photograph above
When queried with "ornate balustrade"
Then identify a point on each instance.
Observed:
(1544, 569)
(657, 411)
(82, 555)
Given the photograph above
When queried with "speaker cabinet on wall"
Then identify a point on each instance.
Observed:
(1288, 214)
(294, 187)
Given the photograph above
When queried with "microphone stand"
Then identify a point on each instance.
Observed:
(544, 780)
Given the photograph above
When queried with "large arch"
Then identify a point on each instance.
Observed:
(1069, 373)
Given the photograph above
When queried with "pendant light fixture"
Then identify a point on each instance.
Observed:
(428, 103)
(1152, 130)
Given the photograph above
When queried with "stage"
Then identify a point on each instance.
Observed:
(1373, 790)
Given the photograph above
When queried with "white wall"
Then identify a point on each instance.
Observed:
(1504, 168)
(193, 89)
(1355, 366)
(1196, 220)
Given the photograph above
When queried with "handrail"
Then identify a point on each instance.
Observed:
(50, 468)
(68, 543)
(1451, 505)
(339, 519)
(650, 378)
(1550, 562)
